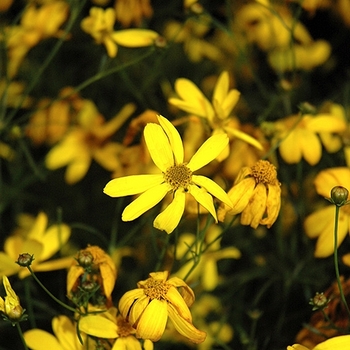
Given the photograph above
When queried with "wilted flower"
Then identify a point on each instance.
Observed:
(165, 146)
(256, 194)
(148, 307)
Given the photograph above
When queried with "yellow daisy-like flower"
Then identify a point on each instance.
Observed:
(10, 306)
(217, 112)
(38, 240)
(165, 146)
(320, 224)
(256, 194)
(298, 138)
(337, 343)
(87, 141)
(148, 307)
(99, 24)
(65, 337)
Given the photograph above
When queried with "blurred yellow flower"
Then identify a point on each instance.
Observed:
(87, 141)
(341, 342)
(10, 306)
(148, 307)
(112, 326)
(320, 224)
(100, 269)
(129, 12)
(217, 112)
(297, 136)
(165, 146)
(39, 240)
(256, 194)
(99, 24)
(65, 337)
(206, 270)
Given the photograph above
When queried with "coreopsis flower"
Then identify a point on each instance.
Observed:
(256, 194)
(148, 307)
(129, 12)
(320, 224)
(87, 141)
(110, 325)
(92, 267)
(206, 270)
(99, 24)
(39, 240)
(65, 336)
(330, 322)
(337, 343)
(218, 112)
(297, 136)
(165, 146)
(11, 306)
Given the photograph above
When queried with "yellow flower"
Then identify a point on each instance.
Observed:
(297, 136)
(101, 267)
(88, 141)
(10, 306)
(129, 12)
(165, 146)
(218, 112)
(148, 307)
(256, 194)
(337, 343)
(206, 270)
(109, 325)
(99, 24)
(39, 240)
(65, 337)
(320, 224)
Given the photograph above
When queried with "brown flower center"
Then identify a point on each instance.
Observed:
(178, 176)
(264, 172)
(156, 289)
(124, 327)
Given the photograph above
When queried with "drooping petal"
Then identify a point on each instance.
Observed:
(145, 201)
(185, 290)
(170, 217)
(244, 137)
(153, 320)
(127, 300)
(212, 187)
(184, 327)
(174, 139)
(133, 184)
(273, 205)
(204, 199)
(159, 146)
(209, 150)
(178, 302)
(98, 326)
(135, 37)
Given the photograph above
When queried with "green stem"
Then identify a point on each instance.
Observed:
(19, 329)
(342, 297)
(58, 301)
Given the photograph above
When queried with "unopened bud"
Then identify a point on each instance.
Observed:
(339, 195)
(25, 259)
(319, 301)
(85, 258)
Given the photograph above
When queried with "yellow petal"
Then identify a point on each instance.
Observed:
(297, 347)
(204, 199)
(184, 327)
(329, 178)
(170, 217)
(174, 139)
(145, 201)
(66, 333)
(273, 205)
(153, 320)
(178, 302)
(311, 147)
(128, 299)
(244, 137)
(37, 339)
(319, 221)
(158, 146)
(209, 150)
(78, 168)
(325, 123)
(212, 187)
(240, 195)
(210, 278)
(135, 37)
(38, 229)
(133, 184)
(8, 266)
(221, 87)
(341, 342)
(98, 326)
(290, 148)
(186, 292)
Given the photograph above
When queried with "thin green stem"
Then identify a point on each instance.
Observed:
(58, 301)
(19, 329)
(341, 292)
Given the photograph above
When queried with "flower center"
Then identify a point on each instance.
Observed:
(264, 172)
(178, 176)
(156, 289)
(124, 327)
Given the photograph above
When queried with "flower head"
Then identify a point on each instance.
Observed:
(11, 306)
(147, 308)
(177, 177)
(256, 194)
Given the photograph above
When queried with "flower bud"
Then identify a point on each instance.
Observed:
(319, 301)
(25, 259)
(85, 258)
(339, 195)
